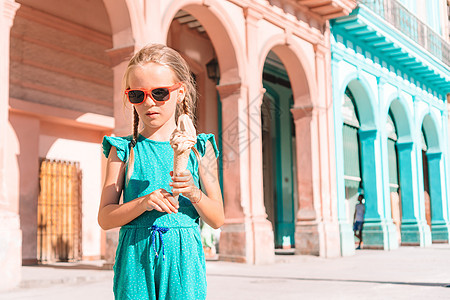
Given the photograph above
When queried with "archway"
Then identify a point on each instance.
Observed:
(375, 226)
(278, 138)
(400, 150)
(434, 178)
(59, 66)
(352, 153)
(286, 72)
(200, 36)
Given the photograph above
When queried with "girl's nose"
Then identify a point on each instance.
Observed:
(149, 101)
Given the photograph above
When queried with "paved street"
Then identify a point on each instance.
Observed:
(406, 273)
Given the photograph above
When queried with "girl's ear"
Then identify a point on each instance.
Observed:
(181, 93)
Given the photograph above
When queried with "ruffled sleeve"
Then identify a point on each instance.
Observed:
(122, 145)
(202, 138)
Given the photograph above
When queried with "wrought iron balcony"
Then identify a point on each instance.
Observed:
(397, 15)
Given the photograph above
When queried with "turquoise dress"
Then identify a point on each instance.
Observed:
(159, 255)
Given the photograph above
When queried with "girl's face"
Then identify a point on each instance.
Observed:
(156, 114)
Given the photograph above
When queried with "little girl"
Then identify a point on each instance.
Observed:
(159, 254)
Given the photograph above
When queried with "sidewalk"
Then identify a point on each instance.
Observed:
(406, 273)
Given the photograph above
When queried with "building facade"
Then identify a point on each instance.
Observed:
(263, 73)
(391, 79)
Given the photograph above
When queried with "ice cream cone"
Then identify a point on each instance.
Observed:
(180, 162)
(182, 140)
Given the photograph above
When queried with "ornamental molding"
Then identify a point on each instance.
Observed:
(9, 8)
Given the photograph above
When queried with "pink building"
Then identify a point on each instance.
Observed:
(64, 62)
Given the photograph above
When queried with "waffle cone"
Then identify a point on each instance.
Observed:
(180, 162)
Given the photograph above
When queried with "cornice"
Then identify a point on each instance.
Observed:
(9, 10)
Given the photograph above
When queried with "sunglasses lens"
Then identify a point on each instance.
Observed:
(161, 94)
(136, 96)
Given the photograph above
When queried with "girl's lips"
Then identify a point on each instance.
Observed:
(151, 114)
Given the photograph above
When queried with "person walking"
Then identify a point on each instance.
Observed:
(358, 218)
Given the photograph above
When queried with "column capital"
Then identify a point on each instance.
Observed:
(405, 146)
(119, 55)
(9, 8)
(434, 155)
(301, 112)
(229, 88)
(368, 134)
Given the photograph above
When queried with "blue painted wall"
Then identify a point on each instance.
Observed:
(370, 61)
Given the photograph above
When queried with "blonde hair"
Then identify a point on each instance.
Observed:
(166, 56)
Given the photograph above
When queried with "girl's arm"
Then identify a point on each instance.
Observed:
(210, 205)
(111, 214)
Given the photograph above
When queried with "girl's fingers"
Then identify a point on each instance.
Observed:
(182, 178)
(174, 203)
(169, 200)
(165, 206)
(182, 190)
(179, 184)
(156, 207)
(181, 175)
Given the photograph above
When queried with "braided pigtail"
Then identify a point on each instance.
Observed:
(133, 143)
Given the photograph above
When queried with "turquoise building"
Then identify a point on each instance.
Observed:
(391, 79)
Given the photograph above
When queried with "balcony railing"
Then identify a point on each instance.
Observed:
(400, 17)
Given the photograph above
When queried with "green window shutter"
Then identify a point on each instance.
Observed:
(352, 172)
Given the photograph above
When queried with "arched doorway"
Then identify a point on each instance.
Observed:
(59, 67)
(278, 138)
(426, 182)
(376, 225)
(434, 181)
(352, 153)
(394, 182)
(194, 32)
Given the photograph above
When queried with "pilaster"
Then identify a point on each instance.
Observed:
(377, 232)
(309, 228)
(10, 233)
(439, 222)
(119, 58)
(123, 114)
(415, 230)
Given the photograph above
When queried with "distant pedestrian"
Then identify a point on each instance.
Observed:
(159, 254)
(358, 218)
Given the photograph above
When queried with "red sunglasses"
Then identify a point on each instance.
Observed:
(160, 94)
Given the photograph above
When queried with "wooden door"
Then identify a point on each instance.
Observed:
(59, 211)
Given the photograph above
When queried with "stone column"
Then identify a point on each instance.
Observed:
(326, 147)
(416, 230)
(386, 214)
(413, 230)
(439, 222)
(10, 233)
(375, 232)
(119, 58)
(264, 249)
(236, 238)
(309, 229)
(347, 240)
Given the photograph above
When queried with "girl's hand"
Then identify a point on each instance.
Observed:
(160, 200)
(184, 184)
